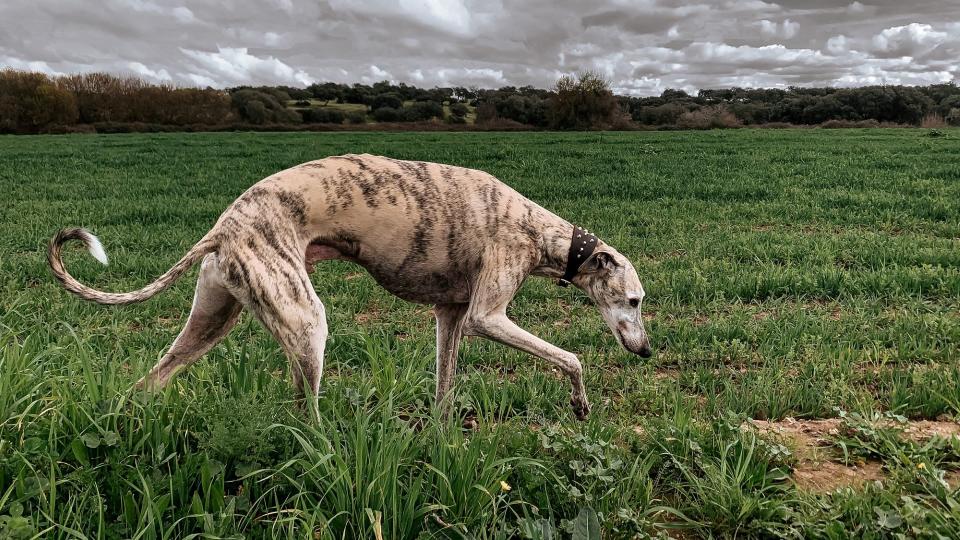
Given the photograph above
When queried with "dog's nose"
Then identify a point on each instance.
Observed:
(644, 351)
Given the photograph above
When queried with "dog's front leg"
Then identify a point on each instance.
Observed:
(449, 332)
(498, 327)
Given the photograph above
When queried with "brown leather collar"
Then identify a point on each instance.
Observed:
(582, 244)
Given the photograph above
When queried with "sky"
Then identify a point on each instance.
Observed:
(642, 47)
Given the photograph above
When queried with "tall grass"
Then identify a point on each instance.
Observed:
(788, 273)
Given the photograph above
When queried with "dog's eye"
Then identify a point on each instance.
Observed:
(634, 302)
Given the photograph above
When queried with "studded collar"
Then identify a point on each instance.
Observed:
(582, 244)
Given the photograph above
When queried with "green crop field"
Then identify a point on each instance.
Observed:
(807, 280)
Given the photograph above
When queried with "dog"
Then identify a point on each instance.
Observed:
(453, 237)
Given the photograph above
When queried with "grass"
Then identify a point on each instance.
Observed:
(788, 273)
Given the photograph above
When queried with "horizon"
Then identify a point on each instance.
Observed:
(641, 48)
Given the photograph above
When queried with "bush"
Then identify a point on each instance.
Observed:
(356, 117)
(844, 124)
(776, 125)
(386, 100)
(302, 103)
(387, 114)
(711, 117)
(262, 108)
(953, 117)
(323, 116)
(933, 120)
(422, 110)
(524, 109)
(658, 115)
(486, 112)
(459, 110)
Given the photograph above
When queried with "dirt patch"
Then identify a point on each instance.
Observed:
(827, 476)
(953, 479)
(819, 468)
(925, 429)
(372, 313)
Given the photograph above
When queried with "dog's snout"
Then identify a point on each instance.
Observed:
(645, 351)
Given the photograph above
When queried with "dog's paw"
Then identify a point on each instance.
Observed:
(581, 408)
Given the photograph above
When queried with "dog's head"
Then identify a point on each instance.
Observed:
(611, 282)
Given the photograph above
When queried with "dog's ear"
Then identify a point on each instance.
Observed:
(599, 261)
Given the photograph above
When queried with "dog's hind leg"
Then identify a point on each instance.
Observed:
(283, 300)
(449, 333)
(214, 313)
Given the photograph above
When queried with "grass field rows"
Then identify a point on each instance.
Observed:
(790, 274)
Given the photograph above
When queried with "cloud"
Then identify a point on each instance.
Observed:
(786, 29)
(444, 15)
(641, 46)
(17, 63)
(914, 39)
(144, 72)
(837, 45)
(235, 66)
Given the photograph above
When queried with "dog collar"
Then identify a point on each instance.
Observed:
(582, 244)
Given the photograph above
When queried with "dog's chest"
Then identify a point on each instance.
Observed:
(420, 284)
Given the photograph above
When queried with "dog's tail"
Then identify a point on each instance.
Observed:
(206, 245)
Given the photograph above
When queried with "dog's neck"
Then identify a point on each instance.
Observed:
(556, 237)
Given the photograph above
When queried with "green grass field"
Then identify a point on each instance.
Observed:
(802, 274)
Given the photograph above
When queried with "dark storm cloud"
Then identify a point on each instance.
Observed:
(642, 46)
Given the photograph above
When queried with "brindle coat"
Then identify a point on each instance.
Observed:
(435, 234)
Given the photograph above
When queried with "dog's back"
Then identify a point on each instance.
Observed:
(419, 228)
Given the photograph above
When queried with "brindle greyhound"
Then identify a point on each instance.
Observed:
(434, 234)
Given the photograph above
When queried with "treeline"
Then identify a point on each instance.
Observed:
(35, 103)
(939, 103)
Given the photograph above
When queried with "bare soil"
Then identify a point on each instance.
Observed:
(819, 467)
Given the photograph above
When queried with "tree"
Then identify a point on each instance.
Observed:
(459, 110)
(423, 110)
(326, 91)
(31, 102)
(582, 103)
(387, 114)
(389, 99)
(262, 108)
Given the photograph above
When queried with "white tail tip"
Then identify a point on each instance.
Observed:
(96, 248)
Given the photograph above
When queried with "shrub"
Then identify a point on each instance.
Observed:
(842, 124)
(323, 116)
(302, 103)
(356, 117)
(953, 118)
(776, 125)
(386, 100)
(486, 112)
(524, 109)
(262, 108)
(658, 115)
(423, 110)
(933, 120)
(459, 110)
(711, 117)
(387, 114)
